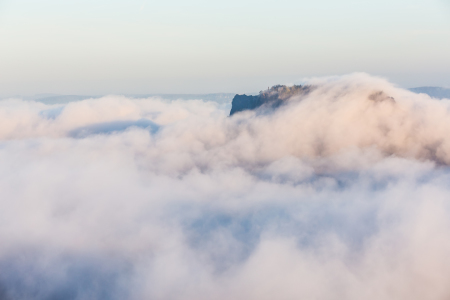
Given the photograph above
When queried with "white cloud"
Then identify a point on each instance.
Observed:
(332, 196)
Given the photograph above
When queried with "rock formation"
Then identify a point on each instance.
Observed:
(270, 98)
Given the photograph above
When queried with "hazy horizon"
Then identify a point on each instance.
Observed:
(49, 95)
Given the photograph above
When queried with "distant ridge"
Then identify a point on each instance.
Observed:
(432, 91)
(215, 97)
(62, 99)
(220, 98)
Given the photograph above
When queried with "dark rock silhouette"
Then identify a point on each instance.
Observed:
(270, 98)
(381, 96)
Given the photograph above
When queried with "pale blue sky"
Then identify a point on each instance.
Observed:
(198, 46)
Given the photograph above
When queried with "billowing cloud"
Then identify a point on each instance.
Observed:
(339, 194)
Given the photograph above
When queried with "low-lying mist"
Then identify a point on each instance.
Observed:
(342, 193)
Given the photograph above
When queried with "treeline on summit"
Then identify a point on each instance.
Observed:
(272, 97)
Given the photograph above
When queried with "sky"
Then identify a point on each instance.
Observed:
(197, 46)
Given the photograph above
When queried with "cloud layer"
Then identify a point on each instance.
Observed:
(336, 195)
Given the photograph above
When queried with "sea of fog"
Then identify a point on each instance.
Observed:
(331, 196)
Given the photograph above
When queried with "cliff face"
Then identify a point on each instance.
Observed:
(271, 98)
(244, 102)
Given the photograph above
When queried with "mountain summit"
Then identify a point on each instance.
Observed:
(271, 98)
